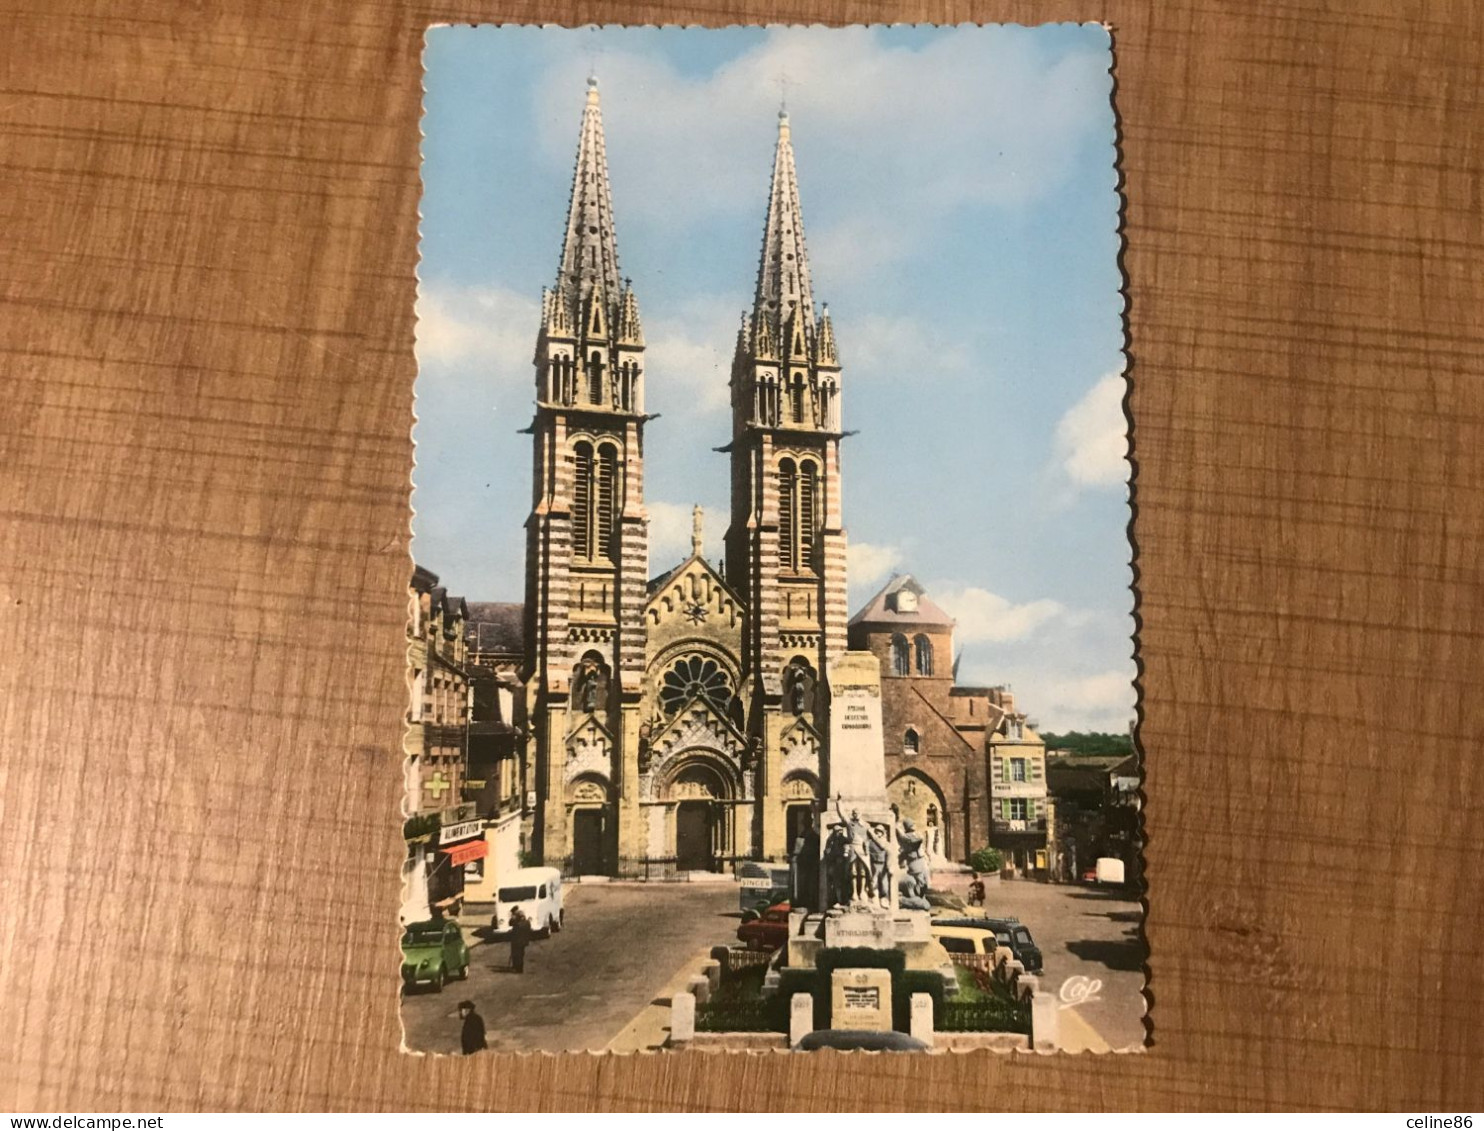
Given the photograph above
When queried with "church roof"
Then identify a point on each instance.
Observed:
(659, 581)
(881, 609)
(590, 249)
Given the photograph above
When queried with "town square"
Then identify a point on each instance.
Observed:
(749, 798)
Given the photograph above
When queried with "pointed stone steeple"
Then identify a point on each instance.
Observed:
(590, 249)
(783, 288)
(785, 543)
(824, 340)
(630, 331)
(587, 537)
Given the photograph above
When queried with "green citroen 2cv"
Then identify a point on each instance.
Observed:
(433, 952)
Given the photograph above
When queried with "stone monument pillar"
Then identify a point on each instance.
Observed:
(858, 864)
(866, 858)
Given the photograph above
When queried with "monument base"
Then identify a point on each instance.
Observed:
(910, 932)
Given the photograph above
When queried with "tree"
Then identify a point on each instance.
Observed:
(1093, 743)
(986, 860)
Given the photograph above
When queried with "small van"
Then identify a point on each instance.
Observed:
(537, 892)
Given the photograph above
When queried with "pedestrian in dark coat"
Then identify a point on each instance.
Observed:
(472, 1036)
(520, 937)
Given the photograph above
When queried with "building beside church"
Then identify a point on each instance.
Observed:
(677, 721)
(956, 757)
(442, 834)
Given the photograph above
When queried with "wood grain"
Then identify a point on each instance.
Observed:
(208, 269)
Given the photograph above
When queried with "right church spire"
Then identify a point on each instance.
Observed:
(785, 546)
(787, 368)
(783, 289)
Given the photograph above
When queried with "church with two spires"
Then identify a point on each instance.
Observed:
(678, 721)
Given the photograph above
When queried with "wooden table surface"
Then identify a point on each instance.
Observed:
(209, 247)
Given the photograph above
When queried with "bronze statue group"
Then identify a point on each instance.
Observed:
(859, 868)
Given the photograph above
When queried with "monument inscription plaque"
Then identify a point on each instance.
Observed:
(860, 999)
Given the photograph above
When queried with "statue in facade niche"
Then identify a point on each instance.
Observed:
(799, 687)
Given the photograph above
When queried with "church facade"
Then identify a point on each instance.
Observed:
(677, 722)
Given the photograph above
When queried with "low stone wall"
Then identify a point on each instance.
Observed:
(739, 1042)
(968, 1042)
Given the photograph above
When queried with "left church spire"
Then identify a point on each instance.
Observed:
(589, 264)
(587, 539)
(588, 356)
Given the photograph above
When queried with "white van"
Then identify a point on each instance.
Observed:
(537, 892)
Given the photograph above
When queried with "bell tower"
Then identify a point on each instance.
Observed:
(587, 550)
(785, 548)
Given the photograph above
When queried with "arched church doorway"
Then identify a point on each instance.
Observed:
(700, 792)
(695, 836)
(592, 828)
(590, 842)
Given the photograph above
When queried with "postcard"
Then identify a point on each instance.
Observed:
(771, 659)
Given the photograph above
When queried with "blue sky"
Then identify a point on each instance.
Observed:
(961, 208)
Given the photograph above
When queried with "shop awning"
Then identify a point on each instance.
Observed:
(469, 850)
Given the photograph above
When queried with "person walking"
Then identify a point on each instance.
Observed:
(520, 938)
(471, 1037)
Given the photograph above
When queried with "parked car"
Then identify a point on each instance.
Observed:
(433, 952)
(1026, 952)
(1009, 933)
(537, 892)
(768, 931)
(754, 908)
(870, 1040)
(956, 938)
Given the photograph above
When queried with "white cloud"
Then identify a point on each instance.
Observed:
(489, 327)
(491, 331)
(1053, 657)
(867, 563)
(670, 532)
(688, 357)
(1009, 136)
(1092, 437)
(982, 616)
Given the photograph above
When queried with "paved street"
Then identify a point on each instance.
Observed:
(620, 948)
(624, 944)
(1088, 933)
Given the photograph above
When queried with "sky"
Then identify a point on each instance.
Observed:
(960, 201)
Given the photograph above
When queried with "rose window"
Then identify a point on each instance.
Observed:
(695, 676)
